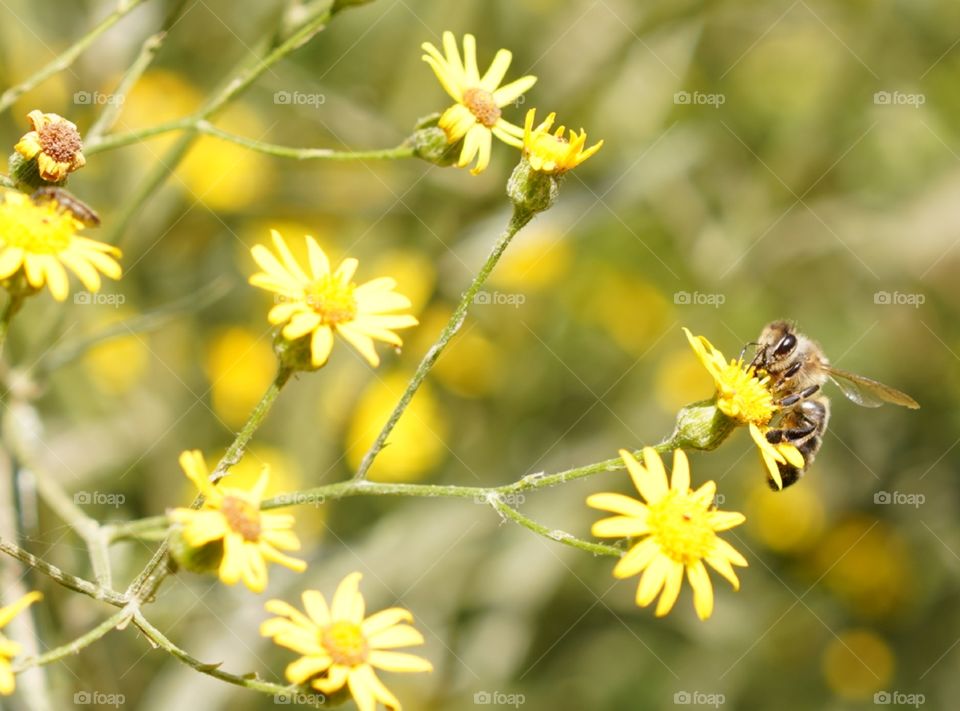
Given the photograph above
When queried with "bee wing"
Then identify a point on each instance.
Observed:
(867, 392)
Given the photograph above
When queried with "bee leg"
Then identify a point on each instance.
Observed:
(797, 397)
(791, 435)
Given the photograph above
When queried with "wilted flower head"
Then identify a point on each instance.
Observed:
(55, 144)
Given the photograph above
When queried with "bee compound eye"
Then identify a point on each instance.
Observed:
(786, 345)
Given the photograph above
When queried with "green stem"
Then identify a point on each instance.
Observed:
(159, 639)
(14, 303)
(72, 582)
(59, 356)
(131, 76)
(519, 219)
(236, 449)
(99, 145)
(201, 125)
(67, 58)
(494, 495)
(150, 578)
(23, 442)
(151, 528)
(54, 655)
(553, 534)
(249, 71)
(401, 151)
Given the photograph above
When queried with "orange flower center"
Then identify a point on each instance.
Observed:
(332, 300)
(242, 517)
(482, 106)
(345, 643)
(60, 141)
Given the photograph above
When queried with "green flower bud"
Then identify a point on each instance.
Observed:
(26, 173)
(531, 190)
(294, 355)
(701, 425)
(430, 144)
(196, 559)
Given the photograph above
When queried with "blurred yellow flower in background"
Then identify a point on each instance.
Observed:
(857, 663)
(539, 257)
(866, 563)
(8, 648)
(225, 176)
(414, 272)
(240, 365)
(324, 302)
(745, 398)
(341, 646)
(678, 527)
(632, 311)
(473, 364)
(552, 152)
(680, 380)
(232, 516)
(119, 364)
(476, 117)
(55, 144)
(41, 239)
(790, 522)
(416, 445)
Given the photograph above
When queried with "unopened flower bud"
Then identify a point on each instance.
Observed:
(701, 425)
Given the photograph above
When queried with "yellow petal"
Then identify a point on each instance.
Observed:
(671, 588)
(618, 503)
(702, 589)
(680, 476)
(636, 559)
(652, 580)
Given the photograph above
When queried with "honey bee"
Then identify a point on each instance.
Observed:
(67, 203)
(798, 369)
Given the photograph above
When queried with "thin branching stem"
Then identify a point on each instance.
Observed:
(66, 58)
(518, 220)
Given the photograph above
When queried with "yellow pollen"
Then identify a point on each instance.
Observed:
(332, 300)
(681, 527)
(60, 141)
(242, 517)
(345, 643)
(482, 106)
(36, 229)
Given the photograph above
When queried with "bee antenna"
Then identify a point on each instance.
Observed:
(746, 346)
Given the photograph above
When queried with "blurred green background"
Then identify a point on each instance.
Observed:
(763, 160)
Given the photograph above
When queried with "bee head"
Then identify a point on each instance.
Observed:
(777, 341)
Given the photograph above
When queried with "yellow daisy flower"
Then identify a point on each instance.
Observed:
(476, 117)
(55, 143)
(249, 536)
(341, 647)
(678, 527)
(551, 152)
(8, 648)
(42, 238)
(745, 398)
(322, 302)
